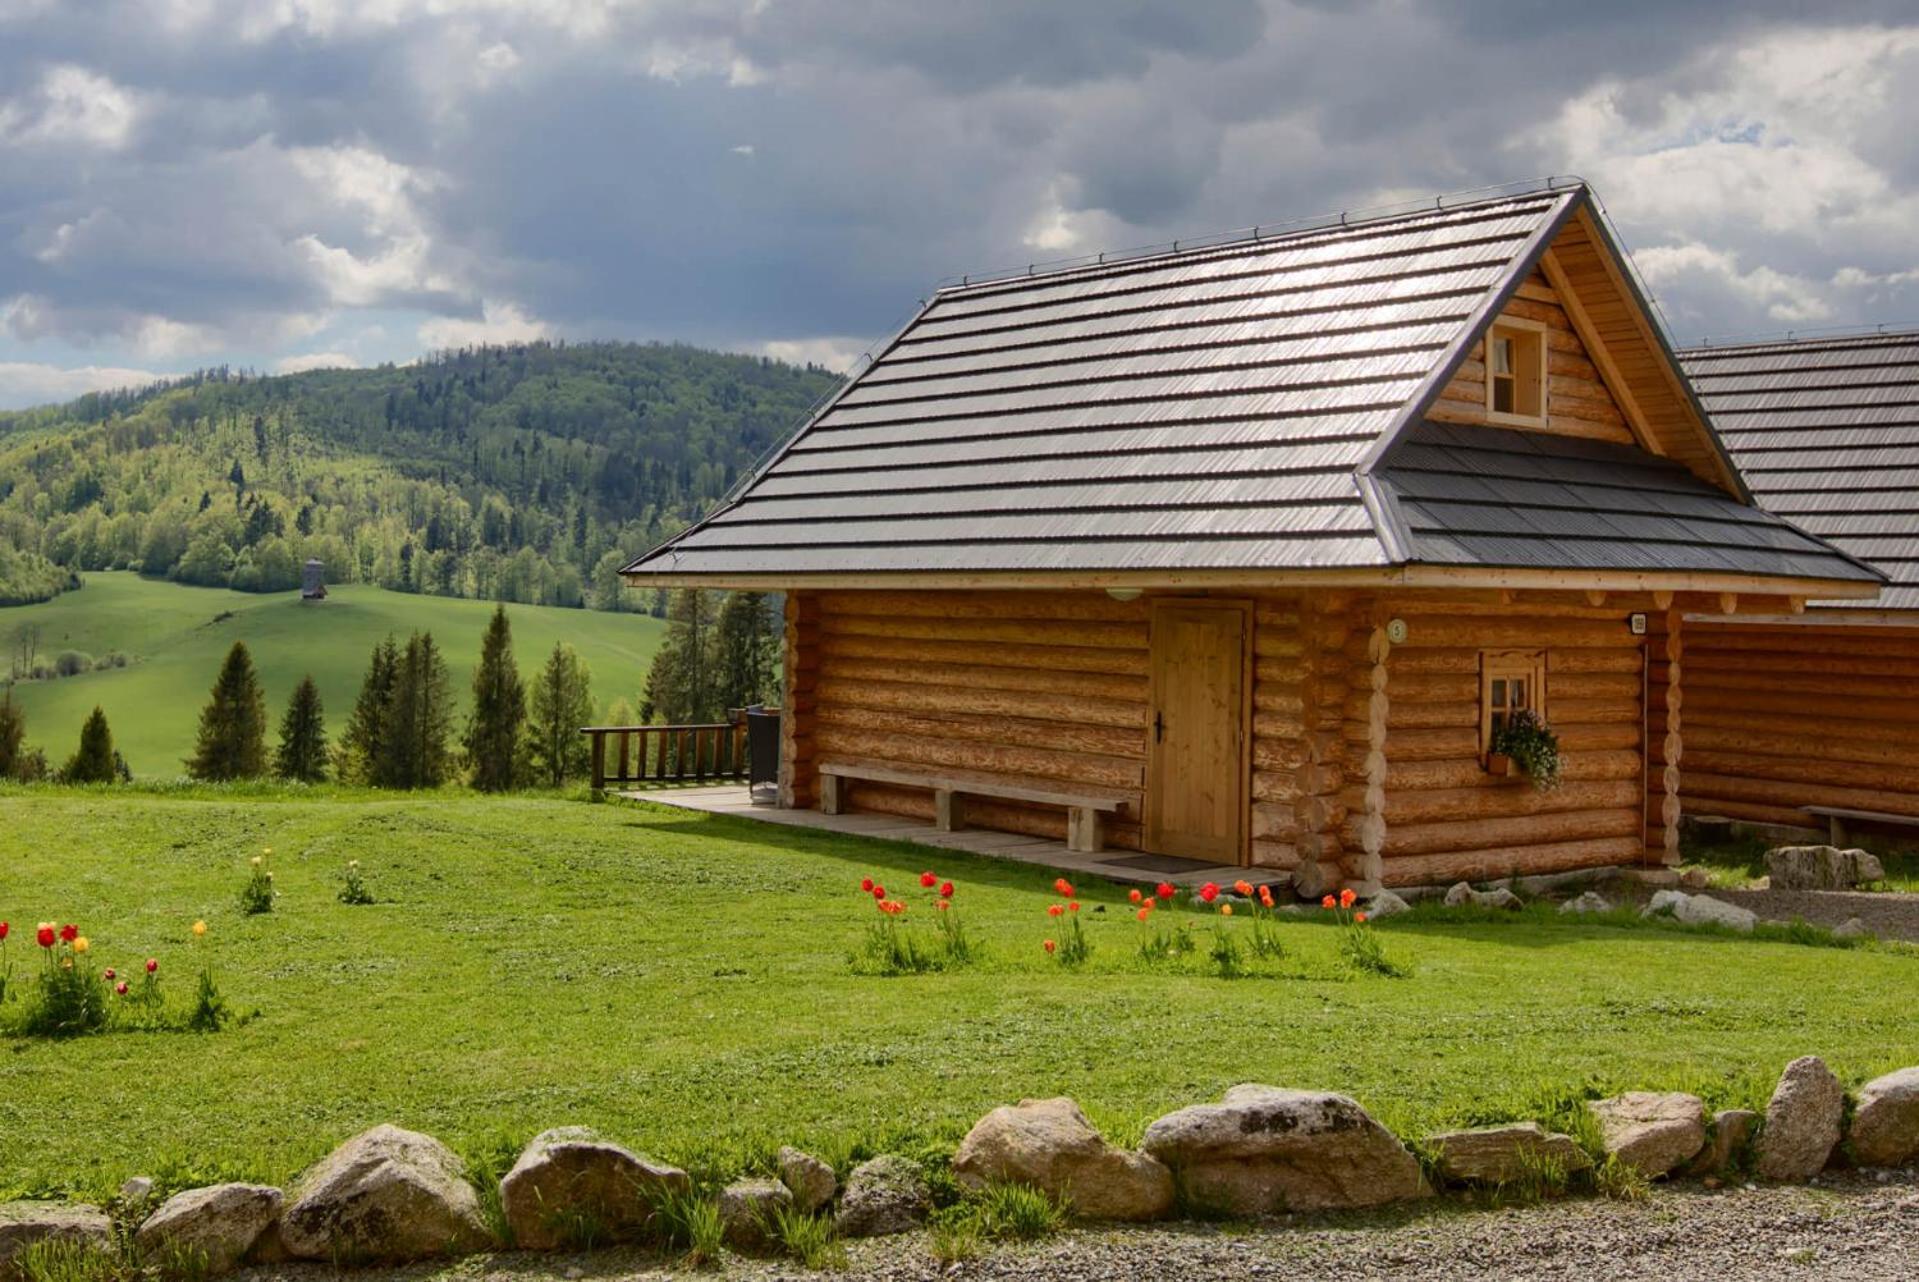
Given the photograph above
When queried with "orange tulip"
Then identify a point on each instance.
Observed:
(1050, 945)
(1144, 913)
(1064, 888)
(1346, 897)
(1134, 894)
(1329, 902)
(1359, 917)
(1244, 888)
(1054, 910)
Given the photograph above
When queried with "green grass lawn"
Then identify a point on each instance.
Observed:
(683, 982)
(177, 636)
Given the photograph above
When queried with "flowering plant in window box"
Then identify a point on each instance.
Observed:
(1529, 744)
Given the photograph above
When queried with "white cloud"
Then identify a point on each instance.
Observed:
(835, 354)
(499, 58)
(1790, 300)
(743, 149)
(24, 383)
(314, 360)
(71, 107)
(498, 323)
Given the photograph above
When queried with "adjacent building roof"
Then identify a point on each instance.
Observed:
(1826, 431)
(1226, 408)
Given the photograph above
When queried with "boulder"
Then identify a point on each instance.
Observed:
(1803, 1121)
(885, 1195)
(1663, 903)
(747, 1211)
(1703, 910)
(1852, 928)
(1500, 897)
(1651, 1131)
(810, 1181)
(214, 1226)
(1821, 868)
(24, 1223)
(1263, 1150)
(1885, 1125)
(1386, 904)
(1589, 902)
(1494, 1155)
(1050, 1145)
(136, 1190)
(388, 1194)
(570, 1184)
(1732, 1130)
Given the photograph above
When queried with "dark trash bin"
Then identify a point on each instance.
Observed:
(762, 752)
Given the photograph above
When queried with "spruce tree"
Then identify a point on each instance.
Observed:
(95, 761)
(419, 714)
(363, 746)
(682, 685)
(499, 710)
(233, 725)
(562, 703)
(13, 733)
(747, 637)
(302, 752)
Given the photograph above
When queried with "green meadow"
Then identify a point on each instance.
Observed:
(685, 983)
(175, 636)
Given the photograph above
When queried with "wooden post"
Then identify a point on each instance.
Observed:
(1664, 695)
(830, 795)
(947, 810)
(800, 782)
(599, 763)
(626, 749)
(1372, 828)
(1082, 830)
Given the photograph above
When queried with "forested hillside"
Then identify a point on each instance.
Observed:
(525, 473)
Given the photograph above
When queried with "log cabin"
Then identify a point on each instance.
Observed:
(1242, 552)
(1809, 718)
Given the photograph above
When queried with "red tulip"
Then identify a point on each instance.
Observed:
(879, 891)
(153, 964)
(941, 904)
(1064, 887)
(110, 976)
(121, 988)
(1145, 912)
(1209, 892)
(1050, 945)
(1054, 910)
(1134, 895)
(866, 884)
(69, 933)
(1166, 890)
(926, 880)
(1073, 907)
(44, 936)
(946, 890)
(5, 930)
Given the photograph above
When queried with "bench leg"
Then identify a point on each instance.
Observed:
(1082, 830)
(831, 802)
(948, 810)
(1836, 831)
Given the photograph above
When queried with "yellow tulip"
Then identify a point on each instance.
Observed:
(199, 928)
(80, 944)
(1226, 910)
(256, 861)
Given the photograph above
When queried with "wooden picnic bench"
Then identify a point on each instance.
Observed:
(1837, 817)
(1084, 805)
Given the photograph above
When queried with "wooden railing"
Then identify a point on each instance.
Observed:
(666, 754)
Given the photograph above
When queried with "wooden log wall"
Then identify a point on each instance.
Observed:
(1783, 716)
(1445, 819)
(1045, 685)
(799, 779)
(1578, 402)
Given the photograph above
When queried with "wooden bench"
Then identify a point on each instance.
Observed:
(1837, 817)
(1084, 805)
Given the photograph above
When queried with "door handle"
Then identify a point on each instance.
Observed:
(1159, 727)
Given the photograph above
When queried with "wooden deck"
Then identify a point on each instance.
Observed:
(1126, 866)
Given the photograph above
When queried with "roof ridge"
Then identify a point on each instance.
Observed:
(1804, 340)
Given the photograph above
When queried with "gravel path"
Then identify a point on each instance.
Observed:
(1851, 1227)
(1887, 914)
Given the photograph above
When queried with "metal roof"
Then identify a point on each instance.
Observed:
(1214, 408)
(1826, 432)
(1500, 497)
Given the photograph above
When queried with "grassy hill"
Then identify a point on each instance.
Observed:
(175, 637)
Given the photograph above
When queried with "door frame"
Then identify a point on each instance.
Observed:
(1243, 813)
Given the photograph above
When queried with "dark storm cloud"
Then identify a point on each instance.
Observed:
(735, 173)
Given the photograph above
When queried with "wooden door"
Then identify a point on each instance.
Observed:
(1196, 741)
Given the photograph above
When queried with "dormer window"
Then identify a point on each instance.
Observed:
(1516, 372)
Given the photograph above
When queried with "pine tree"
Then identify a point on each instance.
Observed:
(499, 709)
(13, 733)
(302, 754)
(94, 762)
(233, 725)
(419, 714)
(562, 703)
(681, 685)
(747, 640)
(362, 747)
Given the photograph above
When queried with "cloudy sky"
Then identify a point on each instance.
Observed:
(283, 184)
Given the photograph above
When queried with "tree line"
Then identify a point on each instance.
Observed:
(526, 473)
